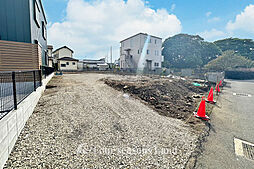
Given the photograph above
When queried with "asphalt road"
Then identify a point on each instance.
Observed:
(232, 117)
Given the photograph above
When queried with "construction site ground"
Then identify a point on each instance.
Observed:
(83, 121)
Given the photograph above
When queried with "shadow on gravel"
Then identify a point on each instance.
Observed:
(50, 86)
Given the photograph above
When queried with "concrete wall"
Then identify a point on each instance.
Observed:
(186, 72)
(13, 123)
(214, 77)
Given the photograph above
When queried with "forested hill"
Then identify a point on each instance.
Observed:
(188, 51)
(244, 47)
(191, 51)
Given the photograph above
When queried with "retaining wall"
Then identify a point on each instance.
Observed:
(12, 124)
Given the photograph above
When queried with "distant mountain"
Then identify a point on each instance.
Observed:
(188, 51)
(244, 47)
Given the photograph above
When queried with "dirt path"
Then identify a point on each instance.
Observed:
(82, 122)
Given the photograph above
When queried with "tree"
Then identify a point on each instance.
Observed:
(229, 60)
(244, 47)
(188, 51)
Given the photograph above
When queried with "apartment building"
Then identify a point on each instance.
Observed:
(147, 46)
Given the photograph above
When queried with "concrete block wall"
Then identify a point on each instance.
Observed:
(13, 123)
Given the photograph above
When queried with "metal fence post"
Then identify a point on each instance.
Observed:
(34, 80)
(40, 77)
(14, 90)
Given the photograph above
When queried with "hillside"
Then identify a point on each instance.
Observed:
(188, 51)
(244, 47)
(229, 60)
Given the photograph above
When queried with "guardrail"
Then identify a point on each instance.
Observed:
(15, 87)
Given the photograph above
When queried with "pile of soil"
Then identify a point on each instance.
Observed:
(175, 98)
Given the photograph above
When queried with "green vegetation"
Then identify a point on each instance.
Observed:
(188, 51)
(229, 60)
(244, 47)
(191, 51)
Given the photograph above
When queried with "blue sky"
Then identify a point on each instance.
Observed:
(212, 19)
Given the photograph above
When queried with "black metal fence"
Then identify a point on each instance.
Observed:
(47, 70)
(15, 87)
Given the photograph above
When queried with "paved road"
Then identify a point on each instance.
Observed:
(233, 117)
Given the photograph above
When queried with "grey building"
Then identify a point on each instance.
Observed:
(24, 21)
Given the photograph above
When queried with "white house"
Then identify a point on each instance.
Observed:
(147, 46)
(64, 58)
(63, 52)
(95, 64)
(67, 64)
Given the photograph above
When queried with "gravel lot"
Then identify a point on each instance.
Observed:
(80, 122)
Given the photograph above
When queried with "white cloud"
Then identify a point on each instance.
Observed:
(243, 21)
(212, 34)
(91, 27)
(173, 7)
(208, 14)
(214, 19)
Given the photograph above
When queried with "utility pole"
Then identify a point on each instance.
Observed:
(111, 55)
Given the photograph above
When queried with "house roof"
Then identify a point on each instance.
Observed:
(62, 48)
(68, 58)
(139, 34)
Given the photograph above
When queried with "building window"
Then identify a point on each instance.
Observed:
(44, 30)
(147, 52)
(67, 63)
(155, 41)
(73, 63)
(150, 41)
(63, 65)
(156, 64)
(36, 14)
(138, 51)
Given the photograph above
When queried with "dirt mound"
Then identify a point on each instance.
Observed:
(170, 97)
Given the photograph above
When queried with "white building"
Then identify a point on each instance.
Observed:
(67, 64)
(64, 58)
(149, 47)
(95, 64)
(62, 52)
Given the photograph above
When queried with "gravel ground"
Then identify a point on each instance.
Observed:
(80, 122)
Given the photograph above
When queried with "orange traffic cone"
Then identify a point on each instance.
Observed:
(220, 84)
(210, 97)
(217, 89)
(201, 111)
